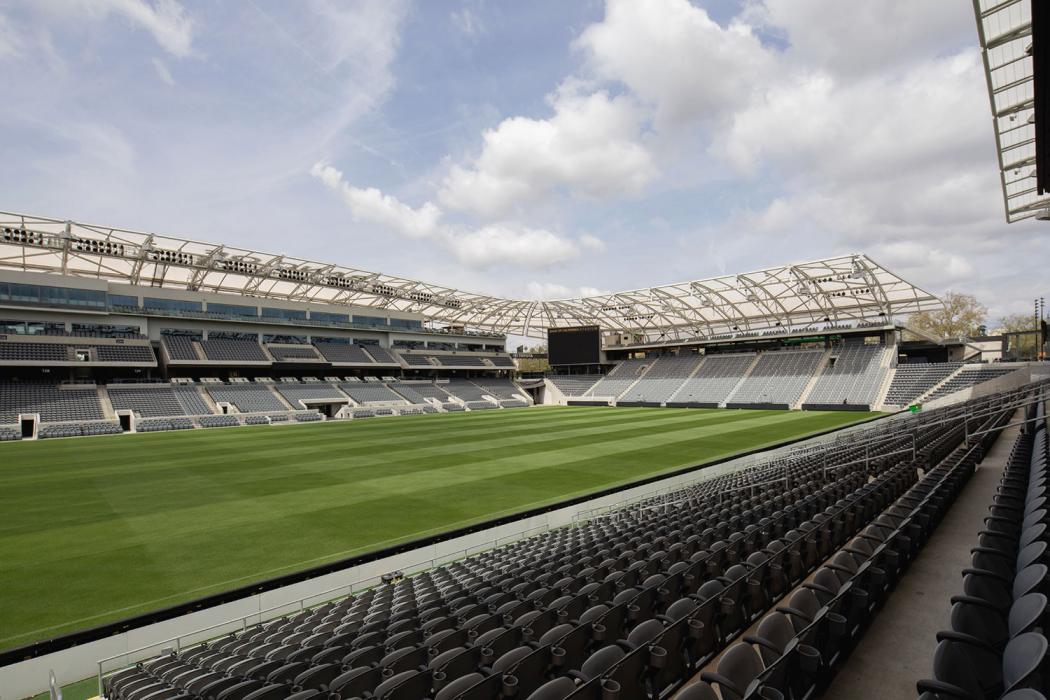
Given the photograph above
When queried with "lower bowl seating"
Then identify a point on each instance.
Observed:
(755, 583)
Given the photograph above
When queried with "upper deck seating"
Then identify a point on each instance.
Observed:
(123, 353)
(180, 347)
(233, 350)
(460, 361)
(380, 354)
(33, 352)
(343, 353)
(291, 353)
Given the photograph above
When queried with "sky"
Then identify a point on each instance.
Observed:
(536, 150)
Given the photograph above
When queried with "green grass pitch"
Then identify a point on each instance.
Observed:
(98, 529)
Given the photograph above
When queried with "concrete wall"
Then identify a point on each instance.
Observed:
(552, 395)
(30, 677)
(1021, 376)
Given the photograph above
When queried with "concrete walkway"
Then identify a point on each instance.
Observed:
(897, 650)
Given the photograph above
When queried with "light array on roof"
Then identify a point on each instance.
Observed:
(848, 288)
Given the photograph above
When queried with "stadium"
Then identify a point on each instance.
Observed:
(230, 474)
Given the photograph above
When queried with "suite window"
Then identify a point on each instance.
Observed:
(370, 320)
(171, 304)
(233, 310)
(327, 317)
(123, 300)
(291, 314)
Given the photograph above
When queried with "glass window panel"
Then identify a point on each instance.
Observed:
(232, 309)
(327, 317)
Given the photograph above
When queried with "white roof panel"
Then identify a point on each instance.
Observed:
(849, 288)
(1005, 31)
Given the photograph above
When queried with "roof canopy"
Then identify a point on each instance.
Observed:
(846, 288)
(1005, 31)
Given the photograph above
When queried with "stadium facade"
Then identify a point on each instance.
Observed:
(106, 330)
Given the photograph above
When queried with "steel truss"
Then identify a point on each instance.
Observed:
(1005, 31)
(849, 288)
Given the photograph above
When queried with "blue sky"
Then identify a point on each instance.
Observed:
(541, 150)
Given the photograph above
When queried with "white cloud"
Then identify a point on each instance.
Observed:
(468, 22)
(676, 58)
(593, 292)
(507, 243)
(102, 144)
(924, 264)
(11, 43)
(592, 243)
(162, 71)
(870, 37)
(167, 20)
(547, 291)
(590, 146)
(362, 34)
(371, 205)
(844, 126)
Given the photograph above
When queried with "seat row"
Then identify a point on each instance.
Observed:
(795, 649)
(997, 643)
(483, 641)
(626, 605)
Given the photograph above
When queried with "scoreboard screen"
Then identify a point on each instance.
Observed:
(577, 345)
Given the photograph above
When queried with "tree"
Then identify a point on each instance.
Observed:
(961, 315)
(1014, 323)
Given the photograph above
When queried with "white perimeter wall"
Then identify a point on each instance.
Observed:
(1015, 379)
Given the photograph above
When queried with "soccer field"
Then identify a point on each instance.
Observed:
(98, 529)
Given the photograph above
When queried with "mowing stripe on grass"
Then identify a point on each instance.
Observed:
(102, 528)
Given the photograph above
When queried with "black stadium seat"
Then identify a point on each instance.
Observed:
(639, 603)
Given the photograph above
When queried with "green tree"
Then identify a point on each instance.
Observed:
(961, 315)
